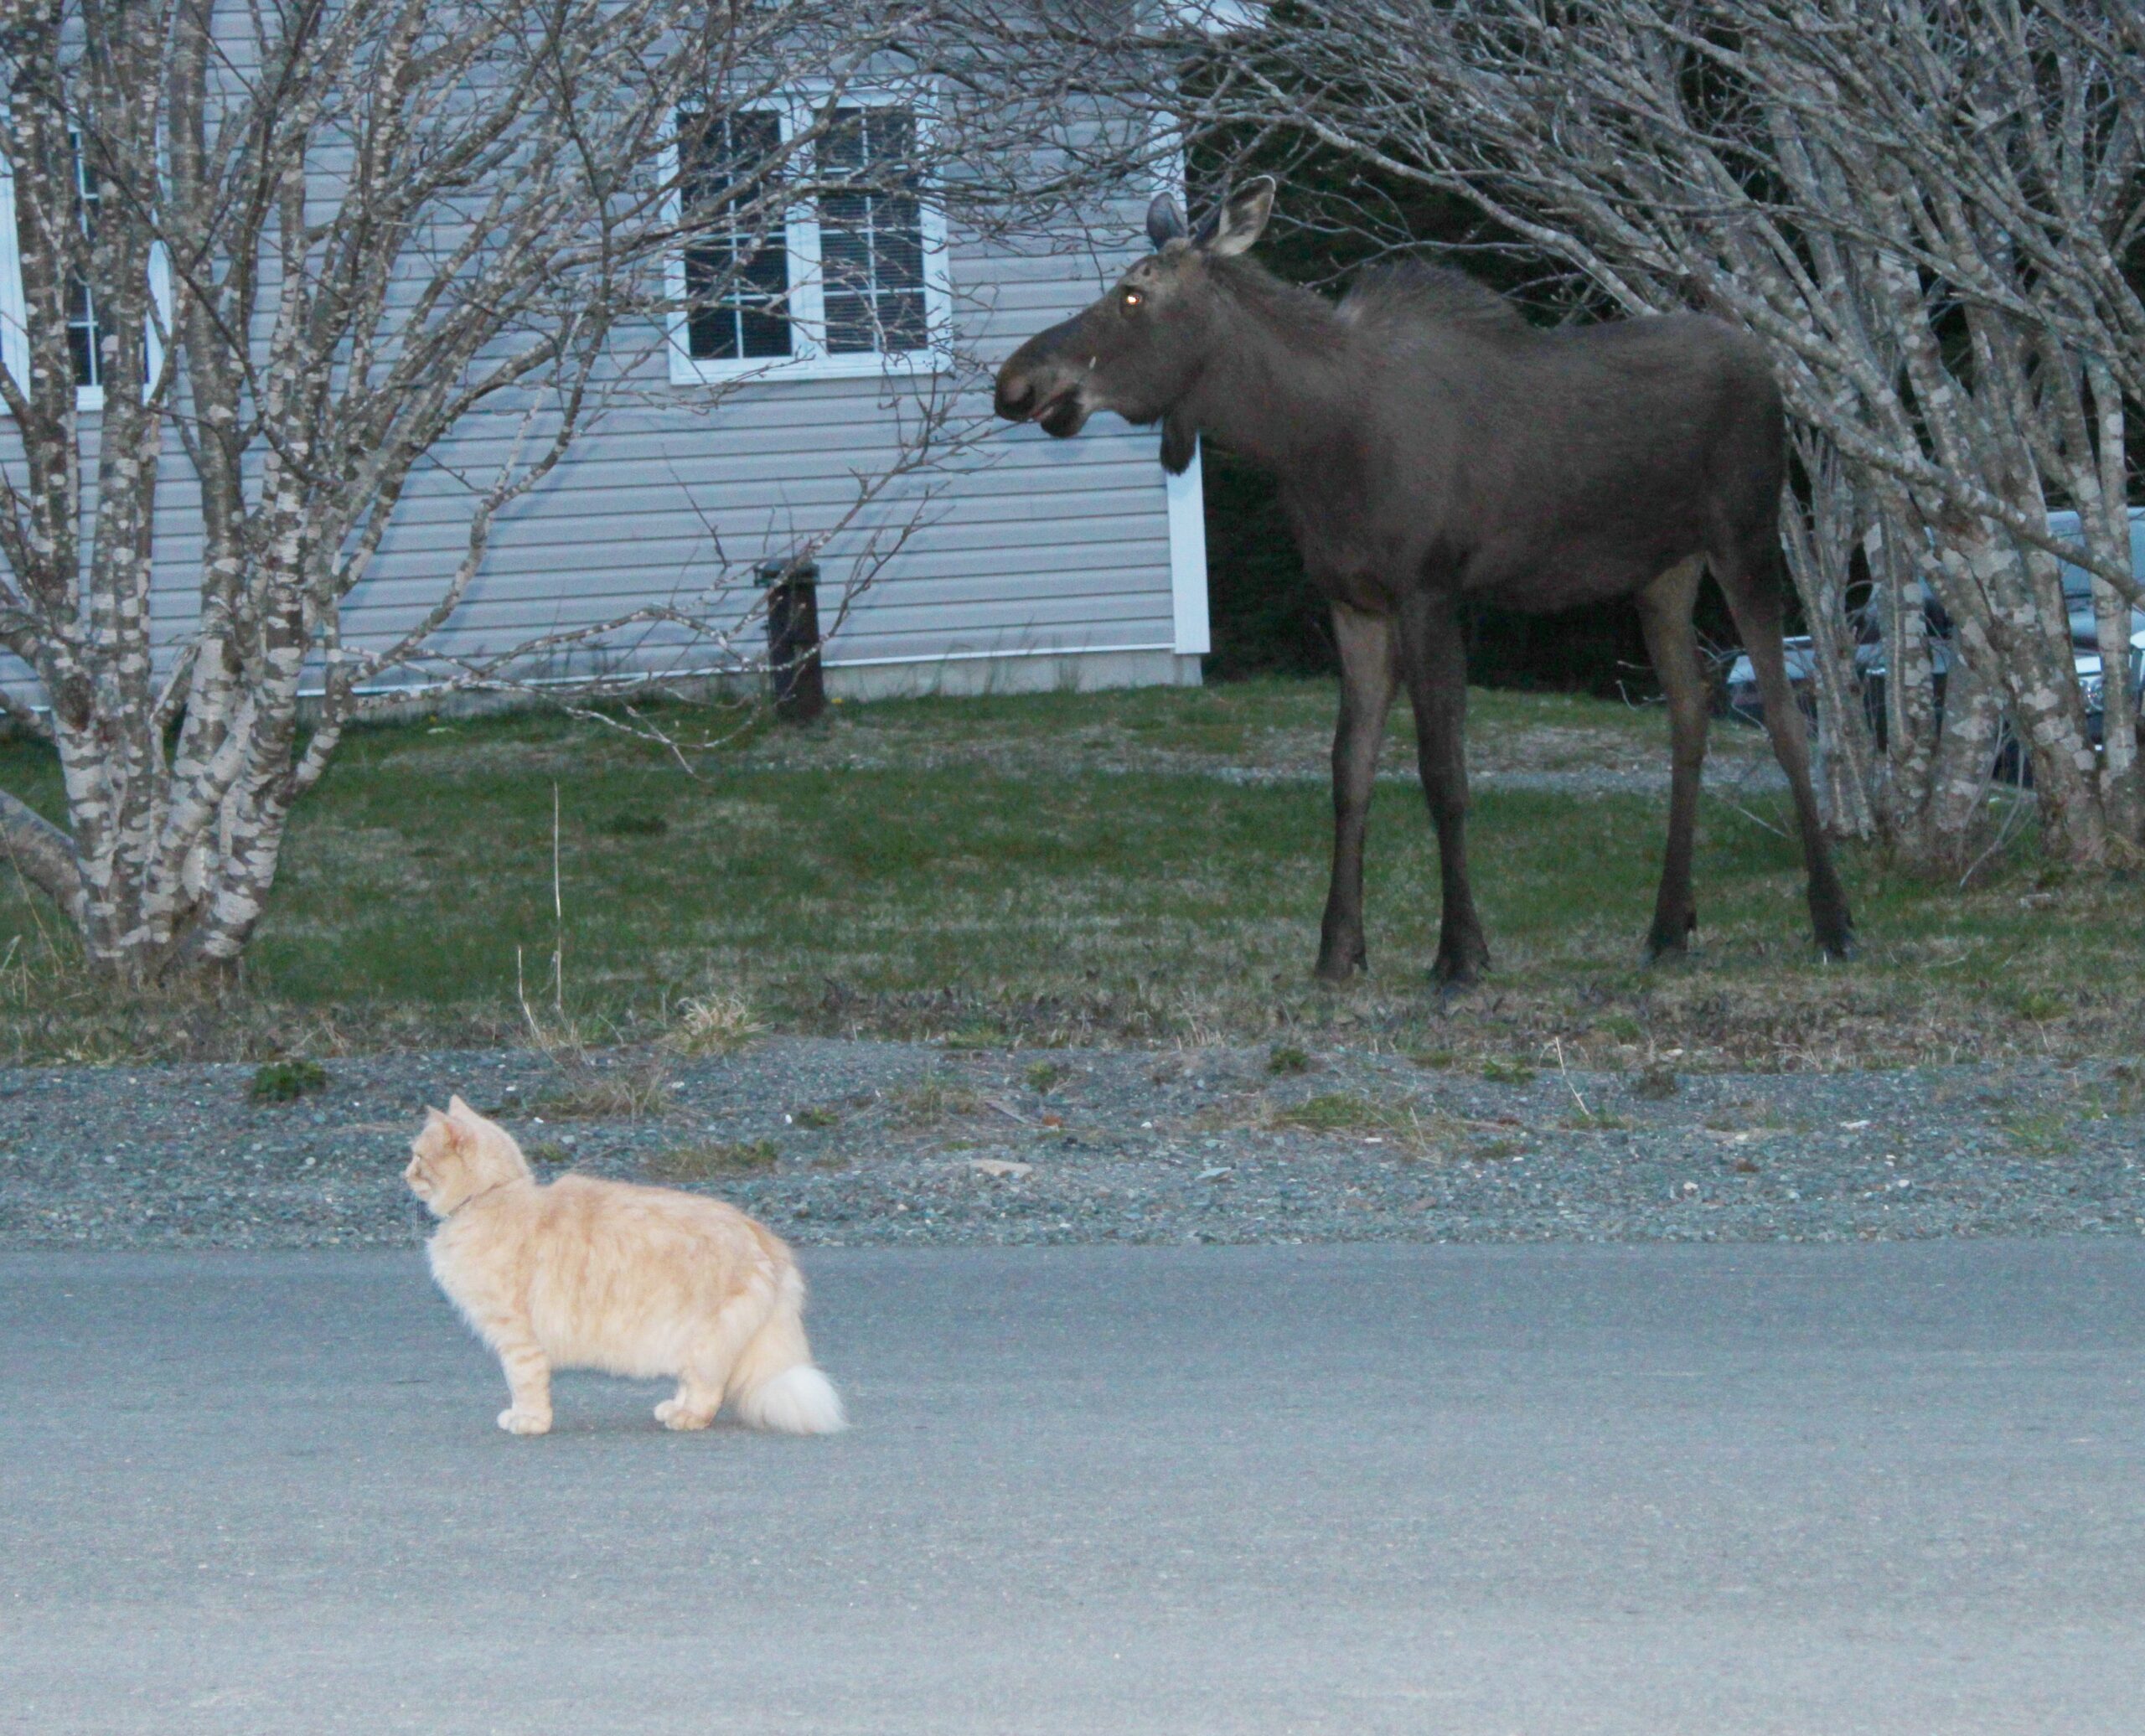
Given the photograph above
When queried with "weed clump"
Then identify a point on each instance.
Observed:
(1342, 1112)
(976, 1036)
(1654, 1084)
(713, 1025)
(633, 822)
(931, 1102)
(704, 1162)
(1285, 1058)
(587, 1094)
(285, 1081)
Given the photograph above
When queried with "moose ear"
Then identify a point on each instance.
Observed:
(1180, 443)
(1165, 220)
(1242, 217)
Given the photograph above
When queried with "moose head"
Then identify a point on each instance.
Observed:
(1141, 349)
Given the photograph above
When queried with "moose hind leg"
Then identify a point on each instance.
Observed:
(1435, 657)
(1752, 591)
(1367, 658)
(1672, 642)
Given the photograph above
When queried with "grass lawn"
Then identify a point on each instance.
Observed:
(1146, 865)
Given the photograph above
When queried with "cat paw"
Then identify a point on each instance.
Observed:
(522, 1422)
(675, 1413)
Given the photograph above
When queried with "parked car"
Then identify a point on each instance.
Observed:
(1742, 681)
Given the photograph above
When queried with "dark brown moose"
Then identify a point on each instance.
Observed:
(1431, 447)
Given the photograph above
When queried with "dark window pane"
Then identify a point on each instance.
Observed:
(901, 253)
(893, 135)
(843, 146)
(737, 280)
(907, 326)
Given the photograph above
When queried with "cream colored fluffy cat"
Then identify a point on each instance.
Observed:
(643, 1281)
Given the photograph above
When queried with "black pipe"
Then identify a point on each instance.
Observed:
(794, 677)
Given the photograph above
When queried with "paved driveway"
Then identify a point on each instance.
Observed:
(1352, 1490)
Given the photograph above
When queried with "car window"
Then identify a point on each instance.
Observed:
(2077, 582)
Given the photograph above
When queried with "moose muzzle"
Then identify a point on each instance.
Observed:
(1041, 384)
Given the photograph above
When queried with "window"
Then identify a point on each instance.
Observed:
(84, 338)
(838, 282)
(736, 283)
(85, 335)
(872, 240)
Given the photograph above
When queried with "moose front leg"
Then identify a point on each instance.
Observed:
(1368, 666)
(1671, 641)
(1435, 657)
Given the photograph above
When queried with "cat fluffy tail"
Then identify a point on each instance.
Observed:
(774, 1384)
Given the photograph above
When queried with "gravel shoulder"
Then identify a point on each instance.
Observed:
(846, 1143)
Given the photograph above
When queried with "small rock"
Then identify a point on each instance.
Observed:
(1003, 1168)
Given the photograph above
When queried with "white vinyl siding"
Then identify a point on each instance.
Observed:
(1026, 547)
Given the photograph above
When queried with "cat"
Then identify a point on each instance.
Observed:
(643, 1281)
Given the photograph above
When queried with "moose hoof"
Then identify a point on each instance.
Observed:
(1461, 961)
(1456, 976)
(1335, 969)
(1670, 937)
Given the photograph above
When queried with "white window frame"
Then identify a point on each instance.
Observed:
(14, 315)
(810, 358)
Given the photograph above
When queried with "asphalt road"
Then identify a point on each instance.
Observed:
(1889, 1487)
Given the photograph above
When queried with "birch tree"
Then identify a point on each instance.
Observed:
(1929, 211)
(296, 245)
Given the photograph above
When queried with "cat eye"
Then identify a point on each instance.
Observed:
(1133, 298)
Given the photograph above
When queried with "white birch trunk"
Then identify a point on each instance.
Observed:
(503, 198)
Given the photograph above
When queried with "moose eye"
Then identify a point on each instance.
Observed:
(1133, 298)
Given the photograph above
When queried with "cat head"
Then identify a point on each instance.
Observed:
(459, 1155)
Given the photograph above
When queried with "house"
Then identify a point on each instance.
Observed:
(737, 436)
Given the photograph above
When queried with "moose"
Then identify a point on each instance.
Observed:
(1433, 448)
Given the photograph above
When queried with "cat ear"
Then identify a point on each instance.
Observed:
(459, 1111)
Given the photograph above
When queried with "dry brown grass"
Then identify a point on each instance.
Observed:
(714, 1024)
(590, 1091)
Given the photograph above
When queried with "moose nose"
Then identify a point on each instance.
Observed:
(1016, 396)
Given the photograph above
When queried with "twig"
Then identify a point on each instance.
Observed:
(1564, 1073)
(558, 918)
(2018, 806)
